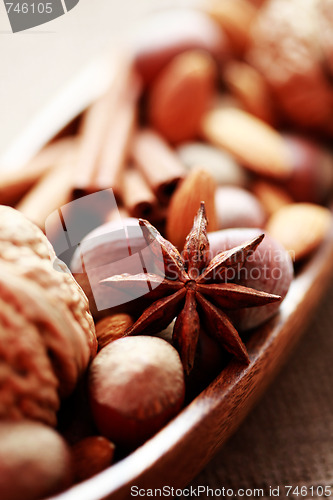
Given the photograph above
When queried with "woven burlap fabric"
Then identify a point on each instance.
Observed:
(288, 438)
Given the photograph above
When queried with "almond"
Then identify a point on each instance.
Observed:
(90, 456)
(112, 328)
(252, 142)
(198, 186)
(251, 89)
(235, 18)
(300, 227)
(171, 31)
(181, 95)
(271, 196)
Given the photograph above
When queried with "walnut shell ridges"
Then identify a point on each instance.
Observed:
(46, 330)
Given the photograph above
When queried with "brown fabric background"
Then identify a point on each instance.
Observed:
(288, 438)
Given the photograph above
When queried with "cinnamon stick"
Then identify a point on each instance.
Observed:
(15, 183)
(157, 162)
(50, 193)
(105, 134)
(137, 196)
(117, 141)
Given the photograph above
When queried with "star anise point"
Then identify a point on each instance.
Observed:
(199, 293)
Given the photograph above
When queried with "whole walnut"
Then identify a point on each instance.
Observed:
(292, 47)
(47, 334)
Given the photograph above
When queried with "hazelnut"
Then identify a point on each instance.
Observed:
(311, 178)
(90, 456)
(269, 269)
(34, 461)
(136, 386)
(237, 207)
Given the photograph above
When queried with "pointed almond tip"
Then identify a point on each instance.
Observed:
(187, 370)
(187, 365)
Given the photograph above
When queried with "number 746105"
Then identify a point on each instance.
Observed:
(33, 8)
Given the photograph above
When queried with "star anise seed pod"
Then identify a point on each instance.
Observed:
(194, 289)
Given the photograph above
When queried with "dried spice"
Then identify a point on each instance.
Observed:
(195, 289)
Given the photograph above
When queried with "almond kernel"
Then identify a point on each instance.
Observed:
(181, 95)
(252, 142)
(300, 227)
(112, 328)
(198, 186)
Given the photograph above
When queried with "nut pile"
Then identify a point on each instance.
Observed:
(230, 106)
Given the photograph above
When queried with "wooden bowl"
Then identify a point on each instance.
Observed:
(182, 448)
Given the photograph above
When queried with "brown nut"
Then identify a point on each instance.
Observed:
(300, 227)
(198, 186)
(271, 196)
(251, 141)
(251, 90)
(311, 178)
(34, 461)
(286, 50)
(235, 18)
(172, 31)
(223, 168)
(325, 16)
(112, 328)
(269, 269)
(104, 252)
(237, 207)
(136, 385)
(21, 238)
(181, 94)
(90, 456)
(47, 332)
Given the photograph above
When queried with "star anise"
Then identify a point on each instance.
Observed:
(195, 290)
